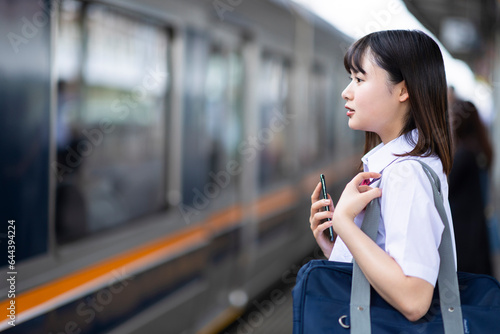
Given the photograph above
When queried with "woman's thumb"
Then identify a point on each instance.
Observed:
(371, 194)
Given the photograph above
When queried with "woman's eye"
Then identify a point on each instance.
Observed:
(358, 80)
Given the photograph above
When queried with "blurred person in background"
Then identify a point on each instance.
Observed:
(468, 181)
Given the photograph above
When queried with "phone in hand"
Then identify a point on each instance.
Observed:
(325, 196)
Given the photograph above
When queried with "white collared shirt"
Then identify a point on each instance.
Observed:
(410, 228)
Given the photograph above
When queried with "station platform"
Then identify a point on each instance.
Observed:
(269, 314)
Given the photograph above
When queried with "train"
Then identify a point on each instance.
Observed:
(159, 158)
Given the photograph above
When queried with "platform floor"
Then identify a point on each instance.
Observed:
(266, 316)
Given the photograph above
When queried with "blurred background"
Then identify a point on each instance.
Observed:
(158, 157)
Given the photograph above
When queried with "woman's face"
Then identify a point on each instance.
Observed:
(373, 103)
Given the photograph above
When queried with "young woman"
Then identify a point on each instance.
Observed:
(468, 182)
(398, 96)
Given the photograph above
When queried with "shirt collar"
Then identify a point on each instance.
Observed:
(384, 154)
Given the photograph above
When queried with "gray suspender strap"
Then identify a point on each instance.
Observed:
(447, 278)
(360, 287)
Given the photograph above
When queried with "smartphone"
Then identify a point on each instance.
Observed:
(325, 196)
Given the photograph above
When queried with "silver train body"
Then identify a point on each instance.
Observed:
(160, 157)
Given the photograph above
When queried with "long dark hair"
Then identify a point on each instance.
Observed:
(469, 131)
(414, 57)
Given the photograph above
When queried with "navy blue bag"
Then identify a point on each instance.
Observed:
(323, 302)
(323, 291)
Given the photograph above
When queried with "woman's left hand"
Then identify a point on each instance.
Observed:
(356, 197)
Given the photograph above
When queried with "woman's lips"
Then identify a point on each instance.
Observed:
(350, 111)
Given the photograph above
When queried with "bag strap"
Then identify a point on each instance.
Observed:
(447, 278)
(360, 288)
(451, 309)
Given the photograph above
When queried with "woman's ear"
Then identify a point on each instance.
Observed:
(403, 92)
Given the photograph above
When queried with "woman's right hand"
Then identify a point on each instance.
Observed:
(318, 220)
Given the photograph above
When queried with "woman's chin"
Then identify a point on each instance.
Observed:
(353, 124)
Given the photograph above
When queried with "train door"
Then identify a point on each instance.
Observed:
(211, 161)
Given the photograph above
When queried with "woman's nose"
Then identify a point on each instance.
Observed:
(346, 93)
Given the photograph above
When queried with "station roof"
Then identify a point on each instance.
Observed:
(465, 27)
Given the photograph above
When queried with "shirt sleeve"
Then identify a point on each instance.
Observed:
(413, 226)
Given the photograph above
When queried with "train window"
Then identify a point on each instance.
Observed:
(272, 135)
(318, 140)
(110, 125)
(332, 108)
(213, 112)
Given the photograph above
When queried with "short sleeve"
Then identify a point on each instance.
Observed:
(412, 223)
